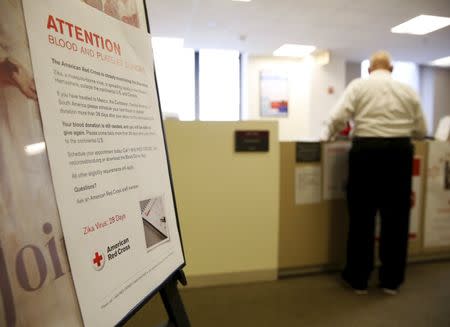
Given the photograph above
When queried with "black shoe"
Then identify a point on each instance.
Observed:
(389, 291)
(356, 290)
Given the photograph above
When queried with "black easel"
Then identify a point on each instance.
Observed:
(168, 290)
(173, 303)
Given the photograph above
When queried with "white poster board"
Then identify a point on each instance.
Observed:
(308, 184)
(335, 170)
(437, 199)
(97, 95)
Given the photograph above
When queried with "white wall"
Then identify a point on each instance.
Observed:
(321, 101)
(405, 72)
(352, 71)
(441, 95)
(427, 96)
(309, 101)
(435, 94)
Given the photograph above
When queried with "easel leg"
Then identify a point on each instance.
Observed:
(174, 305)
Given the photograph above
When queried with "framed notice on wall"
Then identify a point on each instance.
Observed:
(106, 180)
(274, 93)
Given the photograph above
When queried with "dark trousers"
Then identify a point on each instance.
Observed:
(380, 172)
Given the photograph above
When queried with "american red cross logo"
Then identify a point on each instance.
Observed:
(98, 261)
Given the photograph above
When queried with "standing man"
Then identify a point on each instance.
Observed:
(386, 115)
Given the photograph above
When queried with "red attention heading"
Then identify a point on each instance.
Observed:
(73, 31)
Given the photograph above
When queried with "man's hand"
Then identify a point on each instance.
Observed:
(13, 73)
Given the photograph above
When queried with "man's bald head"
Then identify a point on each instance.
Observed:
(380, 60)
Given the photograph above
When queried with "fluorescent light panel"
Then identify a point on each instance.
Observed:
(422, 25)
(294, 50)
(442, 62)
(241, 0)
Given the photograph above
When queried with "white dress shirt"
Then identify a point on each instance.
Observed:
(379, 107)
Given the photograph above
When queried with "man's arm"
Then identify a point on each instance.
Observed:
(341, 113)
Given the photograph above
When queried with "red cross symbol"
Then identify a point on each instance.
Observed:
(98, 259)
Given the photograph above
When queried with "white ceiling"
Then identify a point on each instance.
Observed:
(349, 28)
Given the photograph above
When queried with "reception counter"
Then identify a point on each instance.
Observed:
(228, 201)
(313, 236)
(239, 218)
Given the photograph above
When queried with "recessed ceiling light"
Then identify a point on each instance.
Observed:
(294, 50)
(422, 25)
(241, 0)
(442, 62)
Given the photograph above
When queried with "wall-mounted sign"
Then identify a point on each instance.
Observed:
(274, 94)
(251, 141)
(308, 151)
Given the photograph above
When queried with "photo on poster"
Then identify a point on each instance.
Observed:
(123, 10)
(28, 215)
(155, 223)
